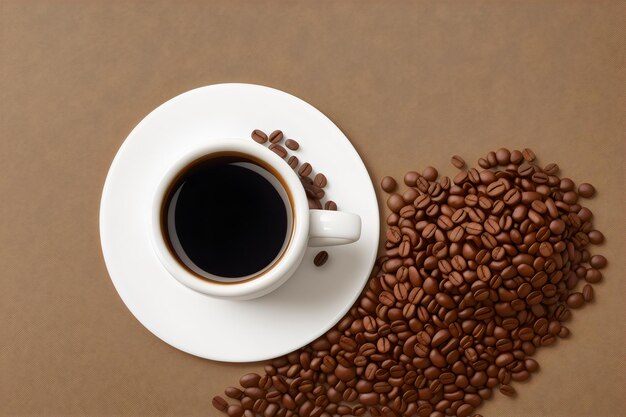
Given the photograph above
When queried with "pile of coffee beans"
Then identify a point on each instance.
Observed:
(478, 272)
(313, 187)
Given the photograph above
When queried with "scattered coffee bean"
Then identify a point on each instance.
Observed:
(321, 258)
(276, 136)
(330, 205)
(475, 275)
(278, 150)
(430, 173)
(598, 261)
(586, 190)
(219, 403)
(293, 161)
(235, 410)
(292, 144)
(457, 161)
(528, 155)
(259, 136)
(388, 184)
(305, 169)
(507, 390)
(320, 180)
(588, 292)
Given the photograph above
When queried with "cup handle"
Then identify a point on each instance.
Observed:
(331, 228)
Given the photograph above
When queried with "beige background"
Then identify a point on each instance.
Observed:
(408, 82)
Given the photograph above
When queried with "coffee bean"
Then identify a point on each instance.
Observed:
(496, 188)
(293, 161)
(330, 205)
(457, 161)
(596, 237)
(593, 275)
(291, 144)
(588, 293)
(278, 150)
(219, 403)
(314, 203)
(388, 184)
(430, 173)
(276, 136)
(507, 390)
(233, 392)
(259, 136)
(528, 155)
(320, 180)
(235, 410)
(586, 190)
(321, 258)
(598, 261)
(250, 380)
(305, 169)
(575, 300)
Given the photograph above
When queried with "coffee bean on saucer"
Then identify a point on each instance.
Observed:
(305, 169)
(320, 180)
(314, 203)
(292, 144)
(259, 136)
(276, 136)
(278, 150)
(330, 205)
(293, 161)
(321, 258)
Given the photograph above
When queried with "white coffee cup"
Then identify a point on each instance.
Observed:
(308, 227)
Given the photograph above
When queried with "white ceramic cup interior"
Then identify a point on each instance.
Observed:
(307, 227)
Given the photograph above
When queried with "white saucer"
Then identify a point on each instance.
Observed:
(311, 302)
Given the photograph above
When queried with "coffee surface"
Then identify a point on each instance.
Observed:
(225, 217)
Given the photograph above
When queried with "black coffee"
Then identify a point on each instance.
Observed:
(225, 216)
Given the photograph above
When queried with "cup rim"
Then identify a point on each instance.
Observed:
(291, 255)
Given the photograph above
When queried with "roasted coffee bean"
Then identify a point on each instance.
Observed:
(598, 261)
(291, 144)
(388, 184)
(293, 161)
(330, 205)
(305, 170)
(575, 300)
(219, 403)
(588, 293)
(278, 150)
(234, 410)
(507, 390)
(259, 136)
(457, 161)
(276, 136)
(586, 190)
(250, 380)
(430, 173)
(320, 180)
(233, 392)
(321, 258)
